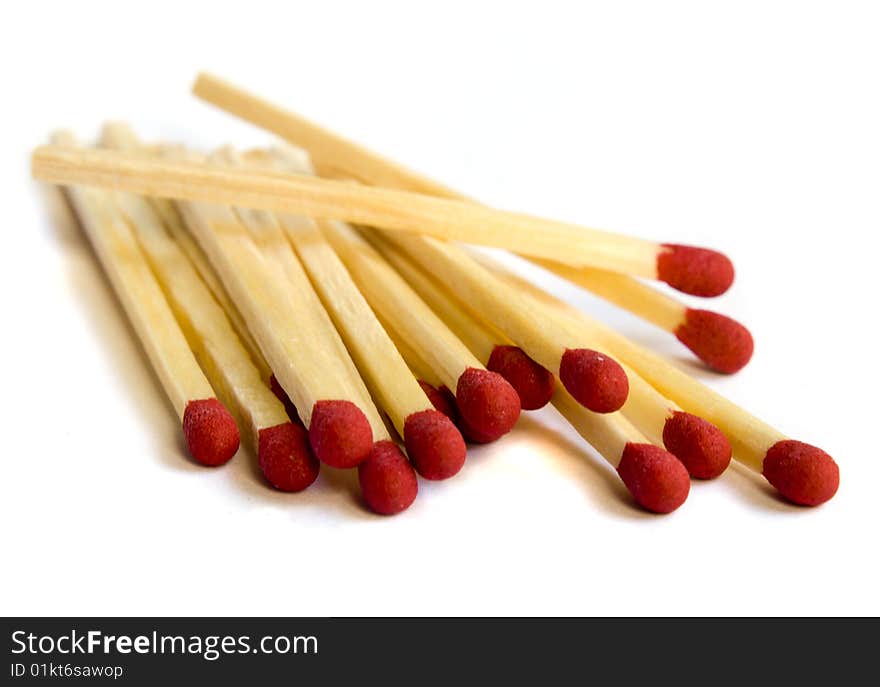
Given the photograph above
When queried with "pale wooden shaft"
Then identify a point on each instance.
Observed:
(119, 136)
(403, 211)
(140, 295)
(476, 335)
(608, 433)
(625, 292)
(420, 369)
(400, 307)
(217, 347)
(177, 228)
(326, 149)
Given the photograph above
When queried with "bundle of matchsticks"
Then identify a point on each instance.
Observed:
(324, 301)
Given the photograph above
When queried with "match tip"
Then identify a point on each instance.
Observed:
(285, 457)
(435, 446)
(697, 271)
(595, 381)
(340, 434)
(802, 473)
(488, 406)
(210, 431)
(442, 400)
(719, 341)
(697, 443)
(533, 383)
(388, 482)
(657, 480)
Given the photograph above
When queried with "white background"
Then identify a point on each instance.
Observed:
(749, 126)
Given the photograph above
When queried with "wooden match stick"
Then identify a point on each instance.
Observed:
(533, 383)
(697, 271)
(803, 474)
(211, 433)
(281, 446)
(433, 443)
(488, 406)
(403, 211)
(594, 379)
(699, 444)
(721, 342)
(119, 136)
(657, 480)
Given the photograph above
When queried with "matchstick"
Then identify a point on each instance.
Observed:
(701, 446)
(433, 443)
(533, 383)
(695, 270)
(721, 342)
(802, 473)
(657, 480)
(593, 378)
(488, 406)
(209, 429)
(281, 446)
(119, 136)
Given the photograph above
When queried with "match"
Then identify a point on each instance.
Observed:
(697, 271)
(208, 427)
(719, 341)
(281, 447)
(488, 406)
(694, 270)
(657, 480)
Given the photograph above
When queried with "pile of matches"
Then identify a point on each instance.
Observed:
(322, 298)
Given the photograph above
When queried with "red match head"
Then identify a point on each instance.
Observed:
(657, 480)
(802, 473)
(533, 382)
(697, 443)
(388, 482)
(210, 431)
(340, 434)
(442, 400)
(697, 271)
(595, 381)
(719, 341)
(488, 407)
(434, 444)
(285, 457)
